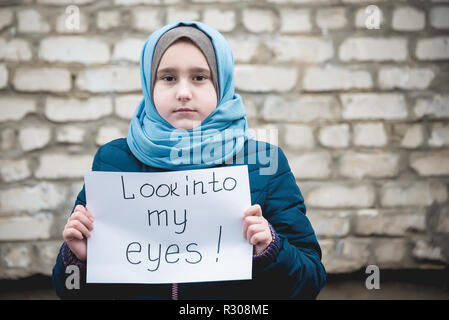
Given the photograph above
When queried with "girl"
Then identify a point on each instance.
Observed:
(188, 91)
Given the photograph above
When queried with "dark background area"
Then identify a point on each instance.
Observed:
(394, 284)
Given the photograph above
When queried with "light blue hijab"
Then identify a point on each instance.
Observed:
(220, 136)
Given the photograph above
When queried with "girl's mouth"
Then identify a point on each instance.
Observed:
(184, 110)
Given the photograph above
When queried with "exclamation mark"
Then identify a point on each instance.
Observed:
(219, 240)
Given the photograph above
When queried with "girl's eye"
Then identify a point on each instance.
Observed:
(168, 78)
(199, 78)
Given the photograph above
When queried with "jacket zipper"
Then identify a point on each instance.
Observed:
(174, 291)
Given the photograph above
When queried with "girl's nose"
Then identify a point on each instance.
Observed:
(184, 92)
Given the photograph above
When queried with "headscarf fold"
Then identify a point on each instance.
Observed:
(219, 138)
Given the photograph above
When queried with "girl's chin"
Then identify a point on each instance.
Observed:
(186, 124)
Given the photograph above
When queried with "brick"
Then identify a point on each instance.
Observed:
(15, 50)
(35, 137)
(368, 19)
(430, 163)
(47, 252)
(107, 20)
(134, 2)
(109, 133)
(67, 2)
(31, 21)
(330, 224)
(267, 133)
(70, 134)
(442, 225)
(57, 166)
(42, 79)
(69, 49)
(392, 223)
(426, 251)
(109, 79)
(345, 255)
(219, 1)
(295, 20)
(3, 76)
(258, 20)
(66, 23)
(439, 136)
(373, 49)
(436, 107)
(14, 169)
(341, 196)
(363, 1)
(261, 78)
(26, 228)
(175, 14)
(64, 110)
(251, 107)
(6, 18)
(15, 108)
(331, 18)
(32, 199)
(16, 256)
(436, 48)
(306, 108)
(335, 78)
(8, 140)
(314, 165)
(413, 137)
(298, 137)
(335, 136)
(301, 49)
(408, 19)
(390, 253)
(303, 1)
(244, 47)
(412, 194)
(358, 165)
(370, 135)
(128, 49)
(374, 106)
(125, 105)
(222, 20)
(146, 20)
(439, 17)
(405, 78)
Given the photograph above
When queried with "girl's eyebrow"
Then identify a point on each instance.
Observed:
(174, 70)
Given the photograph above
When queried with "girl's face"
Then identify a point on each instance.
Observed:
(184, 94)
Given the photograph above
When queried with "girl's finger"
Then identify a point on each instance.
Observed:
(78, 216)
(76, 224)
(254, 210)
(71, 233)
(83, 210)
(254, 229)
(89, 215)
(258, 238)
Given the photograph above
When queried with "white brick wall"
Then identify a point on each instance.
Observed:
(362, 115)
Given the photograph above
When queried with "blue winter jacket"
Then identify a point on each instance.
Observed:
(294, 271)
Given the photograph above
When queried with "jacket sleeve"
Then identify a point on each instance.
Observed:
(67, 258)
(295, 269)
(68, 285)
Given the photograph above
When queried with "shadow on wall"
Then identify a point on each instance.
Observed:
(394, 284)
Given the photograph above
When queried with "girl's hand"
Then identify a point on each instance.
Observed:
(77, 230)
(256, 229)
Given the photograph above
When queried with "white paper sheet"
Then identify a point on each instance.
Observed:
(198, 238)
